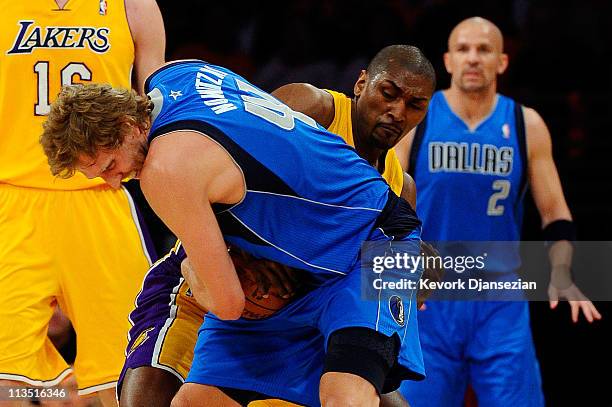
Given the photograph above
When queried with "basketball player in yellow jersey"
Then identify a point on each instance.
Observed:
(75, 242)
(391, 98)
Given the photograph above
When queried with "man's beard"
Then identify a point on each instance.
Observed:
(140, 155)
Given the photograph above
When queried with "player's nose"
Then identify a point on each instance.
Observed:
(398, 111)
(472, 55)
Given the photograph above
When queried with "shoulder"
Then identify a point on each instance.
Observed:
(532, 118)
(308, 99)
(165, 158)
(409, 192)
(138, 11)
(134, 7)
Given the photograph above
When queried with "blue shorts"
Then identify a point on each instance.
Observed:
(482, 343)
(283, 355)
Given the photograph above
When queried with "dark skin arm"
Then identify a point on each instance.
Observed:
(409, 192)
(307, 99)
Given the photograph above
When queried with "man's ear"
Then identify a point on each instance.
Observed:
(360, 84)
(447, 63)
(503, 64)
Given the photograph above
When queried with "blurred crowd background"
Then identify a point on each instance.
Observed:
(560, 64)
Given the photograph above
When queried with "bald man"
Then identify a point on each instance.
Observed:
(471, 158)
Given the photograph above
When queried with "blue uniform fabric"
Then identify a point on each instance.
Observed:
(471, 183)
(311, 202)
(484, 343)
(299, 179)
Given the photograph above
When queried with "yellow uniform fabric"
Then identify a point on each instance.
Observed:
(42, 48)
(272, 403)
(75, 241)
(180, 338)
(342, 126)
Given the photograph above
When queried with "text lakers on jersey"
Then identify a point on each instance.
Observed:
(32, 36)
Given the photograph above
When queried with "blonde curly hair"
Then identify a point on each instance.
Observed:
(88, 118)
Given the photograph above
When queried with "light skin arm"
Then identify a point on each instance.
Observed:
(308, 99)
(181, 191)
(148, 34)
(550, 201)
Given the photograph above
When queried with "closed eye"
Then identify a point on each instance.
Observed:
(387, 95)
(109, 167)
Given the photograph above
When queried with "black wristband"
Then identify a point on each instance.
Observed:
(561, 229)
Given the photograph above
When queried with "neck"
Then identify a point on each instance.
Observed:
(365, 150)
(471, 107)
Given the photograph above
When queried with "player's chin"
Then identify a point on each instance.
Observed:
(385, 142)
(473, 85)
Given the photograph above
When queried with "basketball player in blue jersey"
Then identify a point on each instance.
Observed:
(207, 149)
(161, 342)
(476, 195)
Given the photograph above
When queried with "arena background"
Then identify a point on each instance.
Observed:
(560, 64)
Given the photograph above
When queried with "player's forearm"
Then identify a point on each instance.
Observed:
(560, 235)
(560, 256)
(218, 303)
(198, 289)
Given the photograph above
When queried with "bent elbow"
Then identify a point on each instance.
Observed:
(230, 308)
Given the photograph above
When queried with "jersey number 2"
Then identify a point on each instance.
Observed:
(41, 69)
(502, 186)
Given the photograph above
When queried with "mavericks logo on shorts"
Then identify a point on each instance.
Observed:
(396, 307)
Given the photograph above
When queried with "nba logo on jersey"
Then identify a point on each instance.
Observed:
(102, 9)
(506, 130)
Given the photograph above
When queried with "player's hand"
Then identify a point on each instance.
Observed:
(433, 273)
(267, 274)
(186, 269)
(577, 301)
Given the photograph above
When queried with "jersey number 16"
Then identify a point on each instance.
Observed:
(41, 69)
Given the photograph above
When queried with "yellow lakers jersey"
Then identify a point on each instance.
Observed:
(43, 47)
(342, 126)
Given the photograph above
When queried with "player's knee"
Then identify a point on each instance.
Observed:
(180, 399)
(357, 363)
(11, 383)
(148, 386)
(347, 390)
(393, 399)
(192, 394)
(107, 397)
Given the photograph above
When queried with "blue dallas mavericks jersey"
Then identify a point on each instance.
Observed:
(471, 181)
(310, 201)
